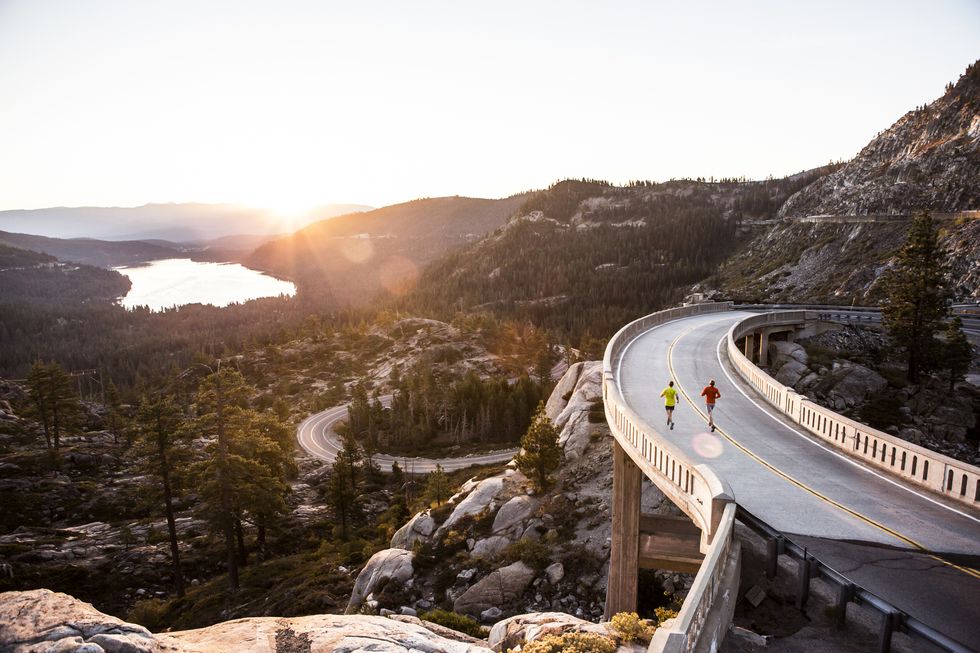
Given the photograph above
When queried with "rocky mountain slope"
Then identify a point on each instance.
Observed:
(348, 260)
(836, 262)
(928, 160)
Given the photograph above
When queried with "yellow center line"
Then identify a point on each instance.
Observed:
(670, 366)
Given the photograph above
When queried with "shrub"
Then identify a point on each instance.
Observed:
(532, 553)
(571, 643)
(629, 627)
(441, 514)
(663, 614)
(150, 613)
(596, 417)
(456, 621)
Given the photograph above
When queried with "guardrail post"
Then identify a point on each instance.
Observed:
(845, 594)
(774, 546)
(889, 624)
(803, 576)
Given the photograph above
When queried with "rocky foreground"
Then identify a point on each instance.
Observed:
(42, 621)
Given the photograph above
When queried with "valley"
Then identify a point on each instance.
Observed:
(412, 422)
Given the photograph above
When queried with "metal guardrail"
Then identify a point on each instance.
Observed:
(893, 619)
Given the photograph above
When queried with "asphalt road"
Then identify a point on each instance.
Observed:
(317, 436)
(914, 549)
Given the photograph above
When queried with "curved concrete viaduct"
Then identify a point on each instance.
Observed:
(912, 538)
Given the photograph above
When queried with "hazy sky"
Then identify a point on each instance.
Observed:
(288, 104)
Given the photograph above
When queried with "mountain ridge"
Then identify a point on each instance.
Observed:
(929, 159)
(181, 222)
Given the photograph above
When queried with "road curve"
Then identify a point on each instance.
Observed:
(317, 437)
(910, 547)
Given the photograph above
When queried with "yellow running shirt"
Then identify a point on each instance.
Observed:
(670, 396)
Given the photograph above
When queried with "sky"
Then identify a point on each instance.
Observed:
(291, 104)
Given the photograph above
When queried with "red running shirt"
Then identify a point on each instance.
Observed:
(710, 393)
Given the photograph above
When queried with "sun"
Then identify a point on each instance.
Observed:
(288, 213)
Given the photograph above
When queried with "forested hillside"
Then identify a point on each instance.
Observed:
(40, 279)
(584, 257)
(90, 251)
(346, 261)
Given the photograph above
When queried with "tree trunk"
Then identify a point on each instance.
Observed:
(228, 526)
(260, 540)
(171, 522)
(240, 538)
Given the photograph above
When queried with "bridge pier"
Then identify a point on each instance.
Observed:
(750, 346)
(624, 552)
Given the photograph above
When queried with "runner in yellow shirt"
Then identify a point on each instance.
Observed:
(670, 403)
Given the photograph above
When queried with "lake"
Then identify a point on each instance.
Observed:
(178, 281)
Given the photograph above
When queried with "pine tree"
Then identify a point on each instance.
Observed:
(114, 414)
(957, 352)
(53, 401)
(342, 490)
(540, 453)
(437, 486)
(162, 447)
(917, 296)
(244, 477)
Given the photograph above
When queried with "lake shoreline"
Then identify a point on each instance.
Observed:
(164, 284)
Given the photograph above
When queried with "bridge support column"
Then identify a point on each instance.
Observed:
(624, 553)
(750, 346)
(764, 347)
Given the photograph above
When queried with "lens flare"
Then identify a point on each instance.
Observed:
(708, 445)
(398, 275)
(357, 250)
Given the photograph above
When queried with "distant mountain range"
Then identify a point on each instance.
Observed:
(181, 223)
(89, 251)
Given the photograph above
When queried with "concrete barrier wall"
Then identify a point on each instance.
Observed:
(910, 462)
(695, 488)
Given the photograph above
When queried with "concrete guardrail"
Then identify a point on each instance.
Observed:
(695, 488)
(910, 462)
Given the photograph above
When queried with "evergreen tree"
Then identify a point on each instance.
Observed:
(540, 453)
(342, 490)
(162, 447)
(114, 414)
(437, 486)
(957, 352)
(244, 476)
(917, 296)
(53, 401)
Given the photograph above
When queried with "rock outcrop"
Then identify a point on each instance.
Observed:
(500, 588)
(418, 528)
(521, 629)
(387, 566)
(41, 621)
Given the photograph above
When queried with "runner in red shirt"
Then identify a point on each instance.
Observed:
(710, 393)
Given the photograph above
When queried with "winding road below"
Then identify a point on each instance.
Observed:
(915, 549)
(317, 437)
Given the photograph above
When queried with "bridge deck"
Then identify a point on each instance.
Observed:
(864, 524)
